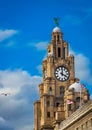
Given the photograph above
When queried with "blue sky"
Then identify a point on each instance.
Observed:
(25, 31)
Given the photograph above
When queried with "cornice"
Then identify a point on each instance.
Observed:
(81, 112)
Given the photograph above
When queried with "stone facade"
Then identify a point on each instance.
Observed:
(61, 94)
(81, 119)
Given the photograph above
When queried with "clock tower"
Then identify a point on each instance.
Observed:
(60, 89)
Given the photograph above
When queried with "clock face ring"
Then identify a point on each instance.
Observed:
(62, 73)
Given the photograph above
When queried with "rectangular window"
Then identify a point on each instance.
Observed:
(59, 51)
(91, 121)
(61, 89)
(62, 92)
(48, 114)
(81, 127)
(58, 38)
(48, 103)
(55, 38)
(86, 125)
(57, 104)
(69, 107)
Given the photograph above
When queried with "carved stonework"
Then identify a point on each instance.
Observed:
(58, 99)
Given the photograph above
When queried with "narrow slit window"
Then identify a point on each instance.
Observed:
(62, 92)
(64, 52)
(48, 114)
(59, 51)
(54, 114)
(81, 127)
(50, 91)
(48, 103)
(86, 125)
(69, 107)
(91, 121)
(57, 37)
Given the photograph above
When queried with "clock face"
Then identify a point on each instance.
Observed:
(62, 73)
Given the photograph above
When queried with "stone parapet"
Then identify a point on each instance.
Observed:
(86, 108)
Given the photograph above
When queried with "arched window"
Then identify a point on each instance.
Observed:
(50, 91)
(48, 103)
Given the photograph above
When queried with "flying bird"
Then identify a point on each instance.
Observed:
(5, 94)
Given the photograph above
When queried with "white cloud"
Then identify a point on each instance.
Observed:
(40, 45)
(23, 89)
(5, 34)
(2, 120)
(82, 70)
(26, 127)
(39, 68)
(4, 125)
(16, 79)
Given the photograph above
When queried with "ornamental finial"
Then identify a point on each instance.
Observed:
(56, 20)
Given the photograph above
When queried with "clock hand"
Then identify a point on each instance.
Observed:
(63, 74)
